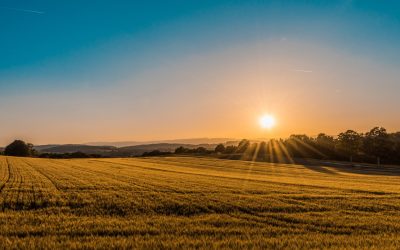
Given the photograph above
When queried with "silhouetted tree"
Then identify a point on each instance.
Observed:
(32, 151)
(349, 143)
(262, 151)
(251, 151)
(181, 150)
(378, 144)
(220, 148)
(325, 144)
(155, 153)
(395, 154)
(19, 148)
(201, 150)
(243, 145)
(230, 149)
(301, 146)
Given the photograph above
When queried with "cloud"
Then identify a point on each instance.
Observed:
(303, 70)
(23, 10)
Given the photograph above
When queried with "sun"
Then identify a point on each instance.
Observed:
(267, 121)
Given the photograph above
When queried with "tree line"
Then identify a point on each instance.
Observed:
(375, 146)
(23, 149)
(180, 150)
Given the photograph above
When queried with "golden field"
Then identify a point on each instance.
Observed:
(193, 202)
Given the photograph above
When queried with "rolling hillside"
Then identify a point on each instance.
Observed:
(71, 148)
(192, 141)
(186, 202)
(112, 151)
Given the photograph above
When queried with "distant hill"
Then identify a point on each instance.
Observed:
(112, 151)
(193, 141)
(71, 148)
(117, 144)
(164, 147)
(44, 147)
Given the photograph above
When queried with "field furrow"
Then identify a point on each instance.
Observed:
(186, 202)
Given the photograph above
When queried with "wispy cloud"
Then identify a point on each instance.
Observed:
(23, 10)
(303, 70)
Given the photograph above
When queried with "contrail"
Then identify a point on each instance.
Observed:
(23, 10)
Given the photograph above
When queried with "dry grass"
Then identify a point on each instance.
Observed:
(188, 202)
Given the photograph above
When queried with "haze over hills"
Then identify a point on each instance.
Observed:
(132, 148)
(193, 141)
(71, 148)
(111, 151)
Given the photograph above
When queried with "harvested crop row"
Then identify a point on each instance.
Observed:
(188, 202)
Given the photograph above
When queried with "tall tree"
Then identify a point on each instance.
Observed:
(349, 143)
(325, 144)
(220, 148)
(395, 155)
(262, 151)
(377, 143)
(243, 145)
(19, 148)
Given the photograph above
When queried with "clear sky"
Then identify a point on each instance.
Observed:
(78, 71)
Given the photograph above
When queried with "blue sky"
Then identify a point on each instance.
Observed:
(66, 34)
(63, 48)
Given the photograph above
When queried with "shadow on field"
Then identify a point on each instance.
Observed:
(320, 169)
(356, 168)
(327, 166)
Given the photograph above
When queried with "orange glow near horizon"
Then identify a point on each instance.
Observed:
(309, 93)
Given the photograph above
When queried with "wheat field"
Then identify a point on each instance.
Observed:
(193, 202)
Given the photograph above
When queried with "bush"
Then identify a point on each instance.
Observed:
(155, 153)
(220, 148)
(19, 148)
